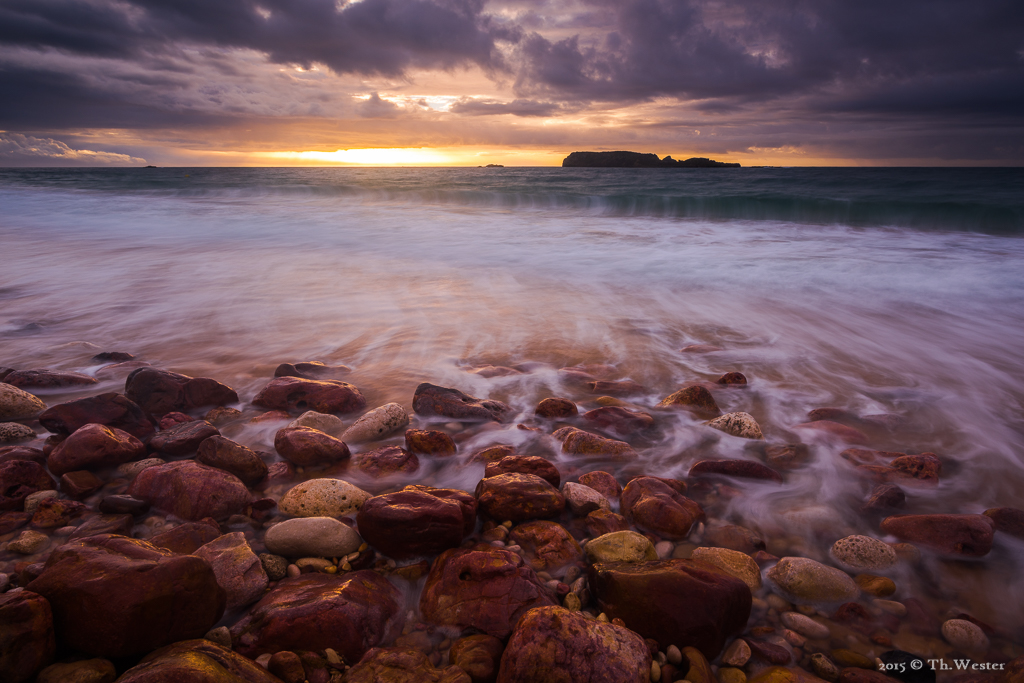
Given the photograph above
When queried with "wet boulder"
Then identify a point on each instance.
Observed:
(183, 438)
(833, 431)
(518, 497)
(402, 665)
(197, 661)
(602, 482)
(114, 596)
(676, 602)
(377, 424)
(430, 400)
(312, 369)
(618, 420)
(190, 491)
(429, 442)
(803, 580)
(16, 404)
(323, 497)
(485, 588)
(467, 502)
(583, 500)
(1007, 520)
(694, 398)
(94, 447)
(578, 442)
(48, 379)
(549, 546)
(15, 431)
(738, 424)
(381, 462)
(969, 535)
(554, 645)
(186, 538)
(294, 394)
(110, 409)
(312, 537)
(159, 392)
(478, 655)
(601, 522)
(524, 464)
(20, 479)
(230, 456)
(26, 636)
(743, 469)
(652, 505)
(412, 523)
(305, 446)
(556, 408)
(349, 613)
(237, 568)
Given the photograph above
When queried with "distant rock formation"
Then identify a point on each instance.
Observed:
(637, 160)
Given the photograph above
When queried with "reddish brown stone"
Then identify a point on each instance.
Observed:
(744, 469)
(769, 652)
(225, 454)
(489, 371)
(22, 453)
(94, 446)
(112, 410)
(196, 661)
(674, 601)
(518, 497)
(183, 438)
(186, 538)
(548, 545)
(733, 537)
(402, 665)
(552, 644)
(575, 377)
(622, 387)
(117, 597)
(732, 379)
(287, 666)
(1007, 520)
(52, 513)
(411, 523)
(381, 462)
(525, 464)
(294, 394)
(311, 370)
(429, 442)
(466, 501)
(492, 453)
(112, 357)
(190, 491)
(47, 379)
(601, 522)
(431, 399)
(305, 446)
(926, 466)
(122, 504)
(602, 482)
(12, 521)
(618, 420)
(556, 408)
(159, 392)
(950, 534)
(787, 456)
(349, 613)
(653, 506)
(695, 398)
(484, 588)
(885, 497)
(26, 636)
(840, 415)
(479, 656)
(835, 430)
(578, 442)
(98, 525)
(80, 484)
(21, 478)
(175, 418)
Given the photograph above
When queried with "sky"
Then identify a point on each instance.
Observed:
(513, 82)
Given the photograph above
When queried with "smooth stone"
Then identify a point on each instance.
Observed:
(696, 398)
(20, 479)
(377, 424)
(805, 626)
(739, 424)
(33, 500)
(159, 392)
(110, 409)
(323, 396)
(553, 408)
(863, 553)
(312, 537)
(17, 404)
(803, 580)
(548, 546)
(197, 661)
(239, 572)
(653, 505)
(430, 442)
(402, 665)
(583, 500)
(732, 562)
(230, 456)
(416, 521)
(94, 446)
(878, 586)
(524, 464)
(29, 543)
(13, 431)
(130, 470)
(578, 442)
(518, 497)
(328, 424)
(602, 482)
(478, 655)
(306, 447)
(965, 635)
(620, 546)
(430, 399)
(191, 491)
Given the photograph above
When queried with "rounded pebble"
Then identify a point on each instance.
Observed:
(17, 404)
(323, 498)
(742, 425)
(311, 537)
(805, 626)
(804, 580)
(13, 431)
(328, 424)
(377, 424)
(965, 635)
(29, 543)
(863, 553)
(621, 546)
(734, 563)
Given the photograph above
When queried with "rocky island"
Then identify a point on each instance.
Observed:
(637, 160)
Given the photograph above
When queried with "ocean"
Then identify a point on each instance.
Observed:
(878, 291)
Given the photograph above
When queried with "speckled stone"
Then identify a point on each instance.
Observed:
(29, 543)
(328, 424)
(620, 546)
(377, 424)
(732, 562)
(863, 553)
(13, 431)
(965, 635)
(323, 498)
(17, 404)
(312, 537)
(803, 580)
(805, 626)
(742, 425)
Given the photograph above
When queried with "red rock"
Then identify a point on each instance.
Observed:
(26, 636)
(622, 387)
(190, 491)
(411, 523)
(159, 392)
(429, 442)
(1007, 520)
(349, 613)
(112, 357)
(196, 661)
(744, 469)
(653, 506)
(733, 537)
(518, 497)
(925, 466)
(602, 482)
(119, 597)
(94, 446)
(287, 666)
(183, 438)
(552, 645)
(732, 379)
(225, 454)
(601, 522)
(578, 442)
(695, 398)
(839, 415)
(431, 399)
(548, 545)
(836, 431)
(112, 410)
(402, 665)
(305, 446)
(311, 370)
(485, 588)
(492, 453)
(618, 420)
(466, 501)
(674, 601)
(386, 460)
(555, 408)
(479, 656)
(885, 497)
(171, 419)
(950, 534)
(186, 538)
(56, 512)
(769, 652)
(121, 504)
(21, 453)
(12, 521)
(47, 379)
(787, 456)
(98, 525)
(239, 572)
(525, 464)
(324, 396)
(21, 478)
(80, 484)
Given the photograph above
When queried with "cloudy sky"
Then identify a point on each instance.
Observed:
(519, 82)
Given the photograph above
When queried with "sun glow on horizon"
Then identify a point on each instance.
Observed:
(371, 156)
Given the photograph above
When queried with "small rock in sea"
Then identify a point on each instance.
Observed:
(620, 546)
(878, 586)
(29, 543)
(20, 479)
(518, 497)
(377, 424)
(430, 399)
(386, 460)
(969, 535)
(618, 420)
(304, 446)
(863, 553)
(222, 415)
(16, 404)
(312, 537)
(190, 490)
(695, 398)
(739, 424)
(48, 379)
(736, 654)
(159, 392)
(653, 505)
(328, 424)
(524, 464)
(181, 439)
(805, 626)
(297, 394)
(824, 667)
(13, 431)
(965, 635)
(602, 482)
(834, 431)
(803, 580)
(730, 674)
(849, 658)
(94, 446)
(430, 442)
(732, 379)
(416, 521)
(275, 566)
(554, 408)
(80, 484)
(1007, 520)
(743, 469)
(578, 442)
(583, 500)
(230, 456)
(732, 562)
(323, 498)
(787, 456)
(312, 369)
